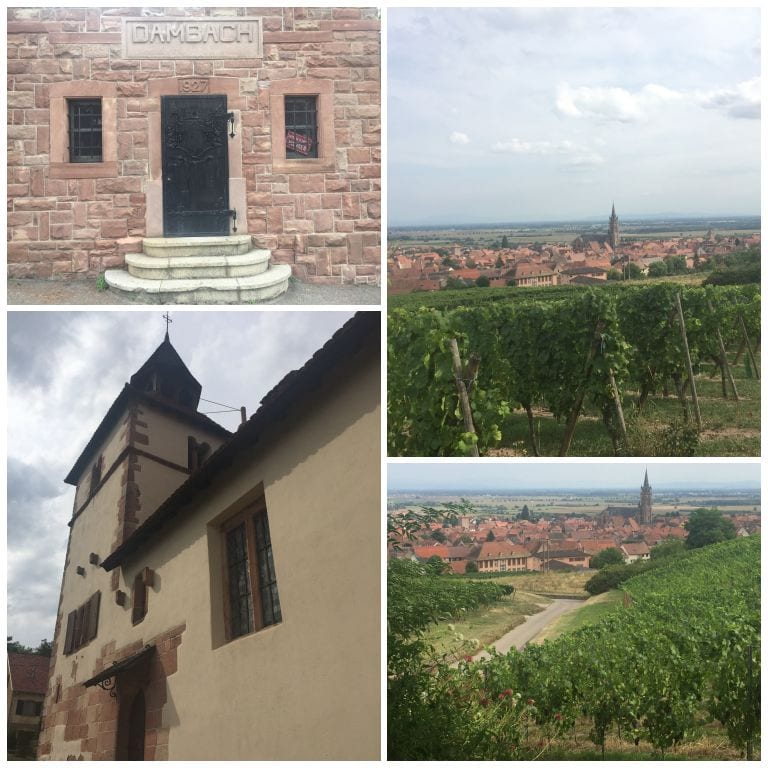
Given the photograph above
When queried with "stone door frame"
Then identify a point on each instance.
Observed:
(188, 86)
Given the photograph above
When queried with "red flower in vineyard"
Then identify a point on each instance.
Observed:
(484, 702)
(558, 716)
(467, 658)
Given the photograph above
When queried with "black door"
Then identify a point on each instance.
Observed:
(137, 723)
(195, 166)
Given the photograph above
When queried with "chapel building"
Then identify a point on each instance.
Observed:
(160, 145)
(220, 595)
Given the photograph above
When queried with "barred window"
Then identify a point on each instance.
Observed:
(85, 130)
(300, 126)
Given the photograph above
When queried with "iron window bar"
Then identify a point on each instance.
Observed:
(85, 131)
(300, 126)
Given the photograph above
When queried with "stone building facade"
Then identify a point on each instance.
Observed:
(313, 202)
(200, 615)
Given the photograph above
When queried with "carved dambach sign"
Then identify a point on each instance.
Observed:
(177, 38)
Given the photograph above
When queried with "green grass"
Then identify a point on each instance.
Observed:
(729, 428)
(591, 612)
(485, 625)
(101, 283)
(549, 583)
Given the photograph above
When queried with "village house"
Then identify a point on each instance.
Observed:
(200, 615)
(164, 146)
(26, 686)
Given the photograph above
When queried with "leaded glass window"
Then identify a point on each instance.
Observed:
(240, 603)
(270, 601)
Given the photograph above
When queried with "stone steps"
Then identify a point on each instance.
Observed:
(219, 245)
(200, 270)
(202, 290)
(179, 267)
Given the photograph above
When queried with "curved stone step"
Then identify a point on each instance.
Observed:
(253, 262)
(208, 290)
(217, 245)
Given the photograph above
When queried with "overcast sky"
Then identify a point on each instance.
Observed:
(560, 474)
(64, 371)
(514, 114)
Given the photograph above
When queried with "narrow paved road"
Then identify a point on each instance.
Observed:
(527, 631)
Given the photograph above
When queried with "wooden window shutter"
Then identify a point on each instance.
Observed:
(93, 619)
(80, 624)
(69, 638)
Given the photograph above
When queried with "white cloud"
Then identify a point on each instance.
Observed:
(457, 137)
(743, 101)
(574, 156)
(518, 147)
(621, 105)
(613, 104)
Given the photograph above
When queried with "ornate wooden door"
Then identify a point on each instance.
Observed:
(195, 166)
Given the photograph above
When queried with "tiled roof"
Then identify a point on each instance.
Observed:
(29, 672)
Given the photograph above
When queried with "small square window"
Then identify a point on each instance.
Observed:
(300, 126)
(85, 130)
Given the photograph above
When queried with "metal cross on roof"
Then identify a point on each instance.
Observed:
(168, 321)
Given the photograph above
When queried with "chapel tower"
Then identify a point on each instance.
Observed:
(645, 514)
(613, 229)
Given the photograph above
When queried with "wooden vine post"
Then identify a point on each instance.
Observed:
(617, 403)
(684, 338)
(573, 416)
(750, 351)
(724, 357)
(461, 387)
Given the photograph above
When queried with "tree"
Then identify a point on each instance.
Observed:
(708, 526)
(438, 535)
(490, 536)
(657, 269)
(614, 274)
(482, 281)
(667, 548)
(437, 566)
(676, 265)
(14, 646)
(504, 242)
(499, 262)
(471, 567)
(525, 513)
(633, 271)
(610, 556)
(470, 263)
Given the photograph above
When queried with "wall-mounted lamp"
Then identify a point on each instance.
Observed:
(231, 121)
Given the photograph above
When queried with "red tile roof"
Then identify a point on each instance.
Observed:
(29, 672)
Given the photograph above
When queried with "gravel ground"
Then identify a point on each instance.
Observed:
(84, 292)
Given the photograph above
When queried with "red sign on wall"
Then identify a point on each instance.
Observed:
(297, 142)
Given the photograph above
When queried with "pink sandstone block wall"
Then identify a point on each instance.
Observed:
(325, 223)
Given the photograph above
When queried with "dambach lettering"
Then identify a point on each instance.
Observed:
(159, 32)
(195, 38)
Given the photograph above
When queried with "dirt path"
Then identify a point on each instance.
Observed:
(532, 626)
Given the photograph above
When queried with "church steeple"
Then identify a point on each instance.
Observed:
(165, 376)
(645, 515)
(613, 228)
